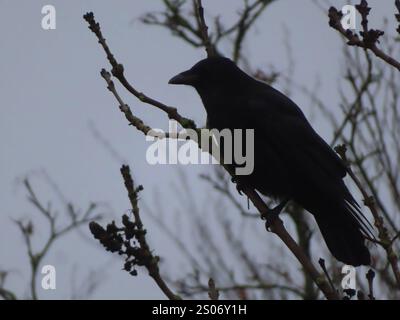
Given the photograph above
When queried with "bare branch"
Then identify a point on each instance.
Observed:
(27, 230)
(118, 72)
(122, 239)
(204, 30)
(370, 37)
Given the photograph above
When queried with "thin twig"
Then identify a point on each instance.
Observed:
(204, 30)
(118, 72)
(323, 267)
(36, 257)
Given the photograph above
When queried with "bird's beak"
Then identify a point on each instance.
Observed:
(186, 77)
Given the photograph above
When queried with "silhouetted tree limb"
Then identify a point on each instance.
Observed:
(202, 26)
(179, 21)
(130, 239)
(28, 231)
(369, 37)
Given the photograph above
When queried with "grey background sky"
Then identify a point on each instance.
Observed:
(51, 92)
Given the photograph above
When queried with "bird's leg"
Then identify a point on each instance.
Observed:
(274, 213)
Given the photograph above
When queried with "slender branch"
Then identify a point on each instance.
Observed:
(370, 37)
(27, 230)
(118, 72)
(204, 30)
(323, 267)
(132, 119)
(130, 240)
(385, 239)
(152, 264)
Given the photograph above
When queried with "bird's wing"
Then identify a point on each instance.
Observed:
(304, 152)
(282, 122)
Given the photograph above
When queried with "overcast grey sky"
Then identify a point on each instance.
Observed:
(51, 92)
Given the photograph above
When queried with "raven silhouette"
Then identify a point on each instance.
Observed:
(291, 161)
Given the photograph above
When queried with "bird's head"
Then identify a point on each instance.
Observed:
(211, 74)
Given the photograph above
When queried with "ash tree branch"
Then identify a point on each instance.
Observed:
(118, 72)
(130, 239)
(369, 37)
(125, 109)
(132, 119)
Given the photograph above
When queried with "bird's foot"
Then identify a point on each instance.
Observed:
(240, 185)
(274, 213)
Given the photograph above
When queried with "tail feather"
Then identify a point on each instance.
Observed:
(354, 209)
(344, 235)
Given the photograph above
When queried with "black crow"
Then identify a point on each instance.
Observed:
(291, 161)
